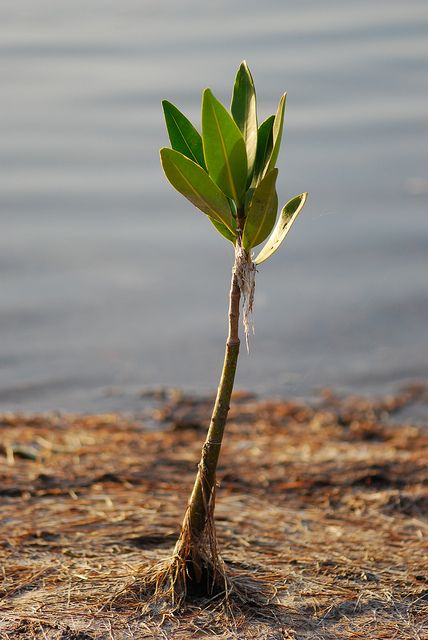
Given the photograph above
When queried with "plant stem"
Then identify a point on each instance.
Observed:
(203, 489)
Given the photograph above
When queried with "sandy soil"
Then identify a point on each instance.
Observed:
(328, 503)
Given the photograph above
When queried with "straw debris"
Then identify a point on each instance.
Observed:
(324, 505)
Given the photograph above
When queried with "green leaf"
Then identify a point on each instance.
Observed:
(264, 148)
(224, 148)
(182, 134)
(195, 184)
(232, 205)
(261, 214)
(288, 215)
(243, 108)
(278, 126)
(248, 197)
(221, 228)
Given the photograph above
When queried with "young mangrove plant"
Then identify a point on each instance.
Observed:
(229, 173)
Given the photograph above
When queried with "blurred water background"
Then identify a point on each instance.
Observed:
(112, 283)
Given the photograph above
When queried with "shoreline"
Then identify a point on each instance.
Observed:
(143, 402)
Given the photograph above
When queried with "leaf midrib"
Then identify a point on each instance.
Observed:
(184, 139)
(231, 181)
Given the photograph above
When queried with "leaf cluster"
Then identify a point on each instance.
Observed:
(229, 171)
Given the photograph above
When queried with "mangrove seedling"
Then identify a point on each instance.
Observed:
(229, 173)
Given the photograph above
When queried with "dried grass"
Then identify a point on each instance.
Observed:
(325, 506)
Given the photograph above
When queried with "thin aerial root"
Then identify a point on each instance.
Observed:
(245, 272)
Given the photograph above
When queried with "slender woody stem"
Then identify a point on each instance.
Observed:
(203, 488)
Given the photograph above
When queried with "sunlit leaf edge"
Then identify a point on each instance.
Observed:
(282, 227)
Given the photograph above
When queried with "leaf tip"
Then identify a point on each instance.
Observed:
(163, 152)
(167, 106)
(244, 70)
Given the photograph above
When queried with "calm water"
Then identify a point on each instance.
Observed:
(111, 282)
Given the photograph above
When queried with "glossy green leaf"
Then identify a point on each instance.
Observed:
(285, 221)
(244, 112)
(224, 148)
(195, 184)
(261, 213)
(264, 148)
(182, 134)
(225, 232)
(278, 126)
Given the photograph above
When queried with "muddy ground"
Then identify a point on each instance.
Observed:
(327, 502)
